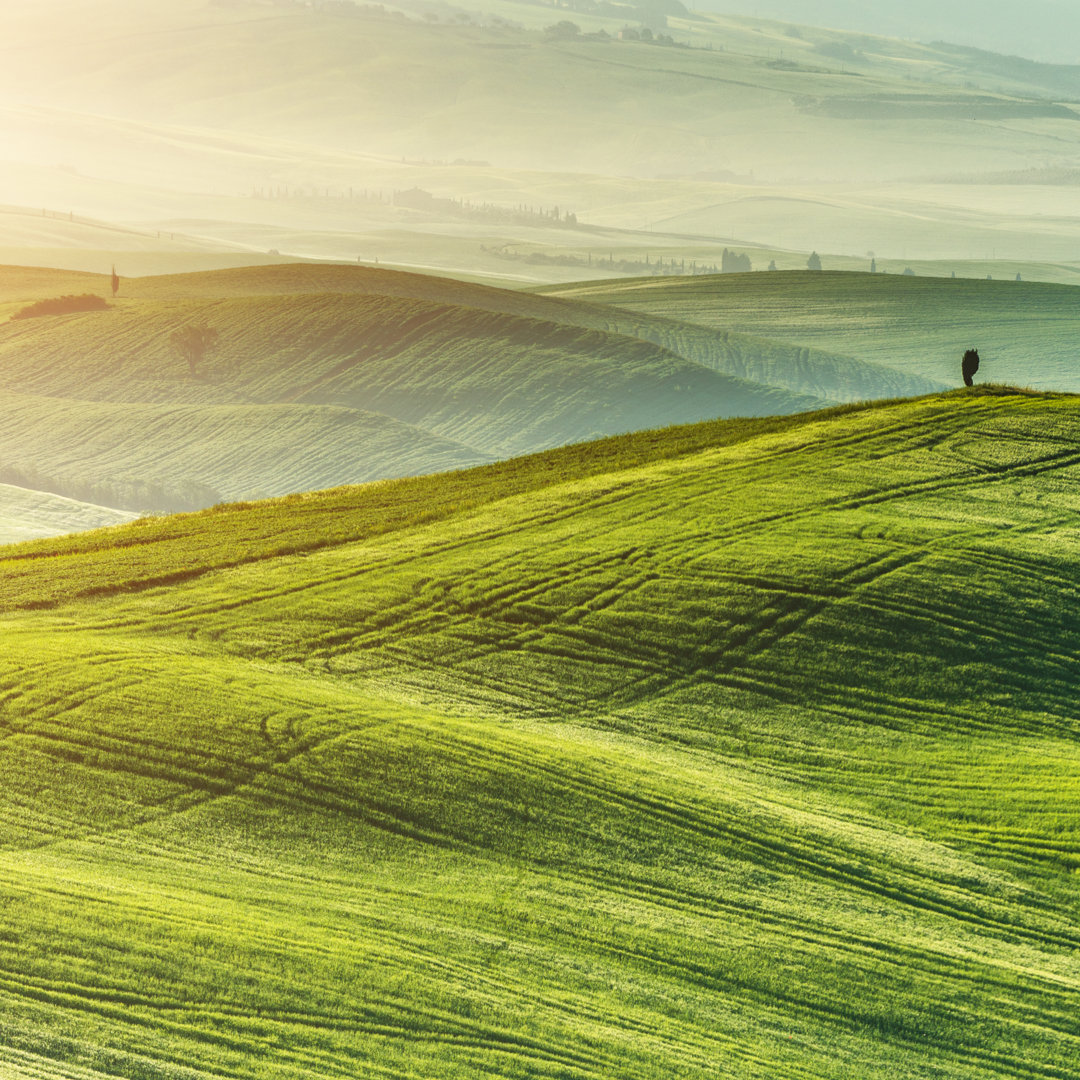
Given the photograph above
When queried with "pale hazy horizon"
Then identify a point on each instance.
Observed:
(171, 135)
(1048, 31)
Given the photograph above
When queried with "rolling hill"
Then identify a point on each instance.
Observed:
(817, 372)
(308, 389)
(383, 373)
(28, 514)
(1045, 33)
(748, 97)
(742, 750)
(1025, 331)
(168, 457)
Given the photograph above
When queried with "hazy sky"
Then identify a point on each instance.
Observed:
(1041, 29)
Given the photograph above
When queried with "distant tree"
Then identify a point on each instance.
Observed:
(838, 50)
(1018, 277)
(192, 343)
(645, 34)
(873, 266)
(814, 262)
(563, 31)
(908, 272)
(969, 365)
(115, 281)
(772, 265)
(732, 262)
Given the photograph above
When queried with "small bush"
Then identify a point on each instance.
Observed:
(563, 31)
(839, 50)
(61, 305)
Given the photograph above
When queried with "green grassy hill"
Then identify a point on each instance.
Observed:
(1025, 331)
(390, 375)
(168, 457)
(27, 514)
(495, 381)
(744, 750)
(327, 374)
(823, 373)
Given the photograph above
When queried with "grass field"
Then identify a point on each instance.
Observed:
(330, 375)
(821, 372)
(742, 750)
(334, 374)
(746, 749)
(749, 98)
(175, 456)
(27, 514)
(1025, 331)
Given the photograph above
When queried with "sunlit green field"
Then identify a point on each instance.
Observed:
(741, 750)
(322, 375)
(305, 389)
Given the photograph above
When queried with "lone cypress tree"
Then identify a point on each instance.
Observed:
(969, 365)
(814, 262)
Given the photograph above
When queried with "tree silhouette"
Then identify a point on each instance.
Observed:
(732, 262)
(969, 365)
(814, 262)
(563, 31)
(192, 343)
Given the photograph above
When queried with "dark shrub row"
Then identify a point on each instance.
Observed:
(61, 305)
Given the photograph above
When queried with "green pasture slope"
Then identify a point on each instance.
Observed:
(497, 383)
(1026, 332)
(324, 375)
(741, 750)
(27, 514)
(149, 457)
(825, 372)
(377, 378)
